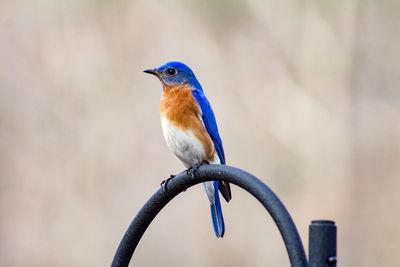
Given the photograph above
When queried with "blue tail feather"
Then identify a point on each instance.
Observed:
(216, 213)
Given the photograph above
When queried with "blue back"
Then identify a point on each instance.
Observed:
(209, 121)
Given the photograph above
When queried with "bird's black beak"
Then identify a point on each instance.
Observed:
(151, 71)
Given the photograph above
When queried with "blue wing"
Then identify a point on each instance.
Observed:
(210, 123)
(212, 129)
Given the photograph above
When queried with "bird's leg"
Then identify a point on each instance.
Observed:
(204, 162)
(165, 183)
(192, 170)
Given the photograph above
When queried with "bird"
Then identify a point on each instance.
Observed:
(190, 130)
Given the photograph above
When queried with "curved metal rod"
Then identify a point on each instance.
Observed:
(204, 173)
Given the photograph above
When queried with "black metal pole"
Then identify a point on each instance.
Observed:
(233, 175)
(322, 244)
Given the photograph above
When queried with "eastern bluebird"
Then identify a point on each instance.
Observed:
(190, 129)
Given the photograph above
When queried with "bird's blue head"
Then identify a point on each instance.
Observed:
(175, 73)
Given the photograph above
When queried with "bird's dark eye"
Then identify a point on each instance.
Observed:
(171, 71)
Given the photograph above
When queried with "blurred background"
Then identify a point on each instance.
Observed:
(306, 94)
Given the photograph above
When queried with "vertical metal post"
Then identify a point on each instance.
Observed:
(322, 244)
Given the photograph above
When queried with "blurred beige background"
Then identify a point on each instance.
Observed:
(307, 98)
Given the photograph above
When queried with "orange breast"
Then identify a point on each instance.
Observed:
(180, 108)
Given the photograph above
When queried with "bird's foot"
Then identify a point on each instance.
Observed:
(165, 183)
(192, 170)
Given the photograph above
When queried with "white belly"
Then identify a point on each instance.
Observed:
(188, 149)
(183, 144)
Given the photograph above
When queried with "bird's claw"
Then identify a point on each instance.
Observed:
(192, 170)
(165, 183)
